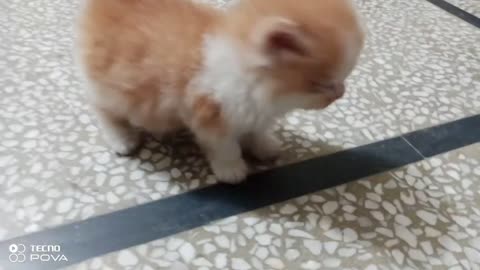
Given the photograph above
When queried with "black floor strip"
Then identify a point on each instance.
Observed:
(444, 138)
(133, 226)
(460, 13)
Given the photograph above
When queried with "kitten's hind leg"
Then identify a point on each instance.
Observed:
(118, 133)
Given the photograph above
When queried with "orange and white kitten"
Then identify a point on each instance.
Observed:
(162, 65)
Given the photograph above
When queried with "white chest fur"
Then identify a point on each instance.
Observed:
(244, 96)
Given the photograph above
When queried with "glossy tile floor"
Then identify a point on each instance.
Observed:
(420, 68)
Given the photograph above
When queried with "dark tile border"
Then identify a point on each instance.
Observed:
(431, 141)
(122, 229)
(456, 11)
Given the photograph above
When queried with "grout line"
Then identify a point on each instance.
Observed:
(414, 148)
(443, 138)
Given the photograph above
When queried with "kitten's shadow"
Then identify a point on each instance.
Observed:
(294, 180)
(268, 184)
(186, 155)
(175, 151)
(188, 169)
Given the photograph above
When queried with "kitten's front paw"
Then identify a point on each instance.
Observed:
(231, 171)
(266, 148)
(126, 144)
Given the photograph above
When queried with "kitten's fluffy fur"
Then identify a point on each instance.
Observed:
(161, 65)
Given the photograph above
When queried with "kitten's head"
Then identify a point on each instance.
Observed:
(305, 49)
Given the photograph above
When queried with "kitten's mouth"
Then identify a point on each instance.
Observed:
(333, 91)
(339, 90)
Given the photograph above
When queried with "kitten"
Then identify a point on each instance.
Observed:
(162, 65)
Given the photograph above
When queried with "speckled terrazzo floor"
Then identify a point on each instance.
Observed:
(423, 216)
(420, 68)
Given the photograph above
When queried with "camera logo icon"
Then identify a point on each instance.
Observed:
(17, 253)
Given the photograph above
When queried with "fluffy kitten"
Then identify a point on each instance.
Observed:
(161, 65)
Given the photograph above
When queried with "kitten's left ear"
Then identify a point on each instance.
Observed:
(280, 38)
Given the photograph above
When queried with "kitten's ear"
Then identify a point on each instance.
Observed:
(280, 38)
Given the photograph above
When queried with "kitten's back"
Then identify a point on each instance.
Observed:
(126, 43)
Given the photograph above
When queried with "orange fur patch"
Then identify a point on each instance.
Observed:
(141, 54)
(125, 43)
(208, 115)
